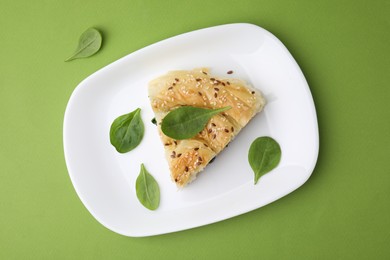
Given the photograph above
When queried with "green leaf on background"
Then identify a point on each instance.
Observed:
(89, 43)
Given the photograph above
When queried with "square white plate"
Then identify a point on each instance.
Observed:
(105, 179)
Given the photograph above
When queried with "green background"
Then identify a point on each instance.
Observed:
(342, 212)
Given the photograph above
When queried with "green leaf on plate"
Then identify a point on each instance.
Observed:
(148, 192)
(264, 155)
(127, 131)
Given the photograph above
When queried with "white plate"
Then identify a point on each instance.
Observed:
(105, 179)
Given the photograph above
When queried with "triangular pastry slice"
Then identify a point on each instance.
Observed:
(186, 158)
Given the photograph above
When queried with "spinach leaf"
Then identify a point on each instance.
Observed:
(264, 155)
(185, 122)
(89, 43)
(127, 131)
(148, 192)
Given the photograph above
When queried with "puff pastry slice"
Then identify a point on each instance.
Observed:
(186, 158)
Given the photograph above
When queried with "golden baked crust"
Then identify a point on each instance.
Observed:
(197, 88)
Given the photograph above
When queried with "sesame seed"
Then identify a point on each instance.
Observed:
(200, 94)
(200, 158)
(215, 95)
(214, 136)
(178, 155)
(205, 73)
(198, 79)
(198, 163)
(173, 156)
(223, 84)
(213, 124)
(177, 80)
(186, 169)
(166, 144)
(232, 129)
(174, 84)
(175, 142)
(212, 79)
(209, 131)
(226, 130)
(170, 88)
(205, 145)
(216, 89)
(227, 82)
(176, 180)
(230, 72)
(196, 149)
(253, 92)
